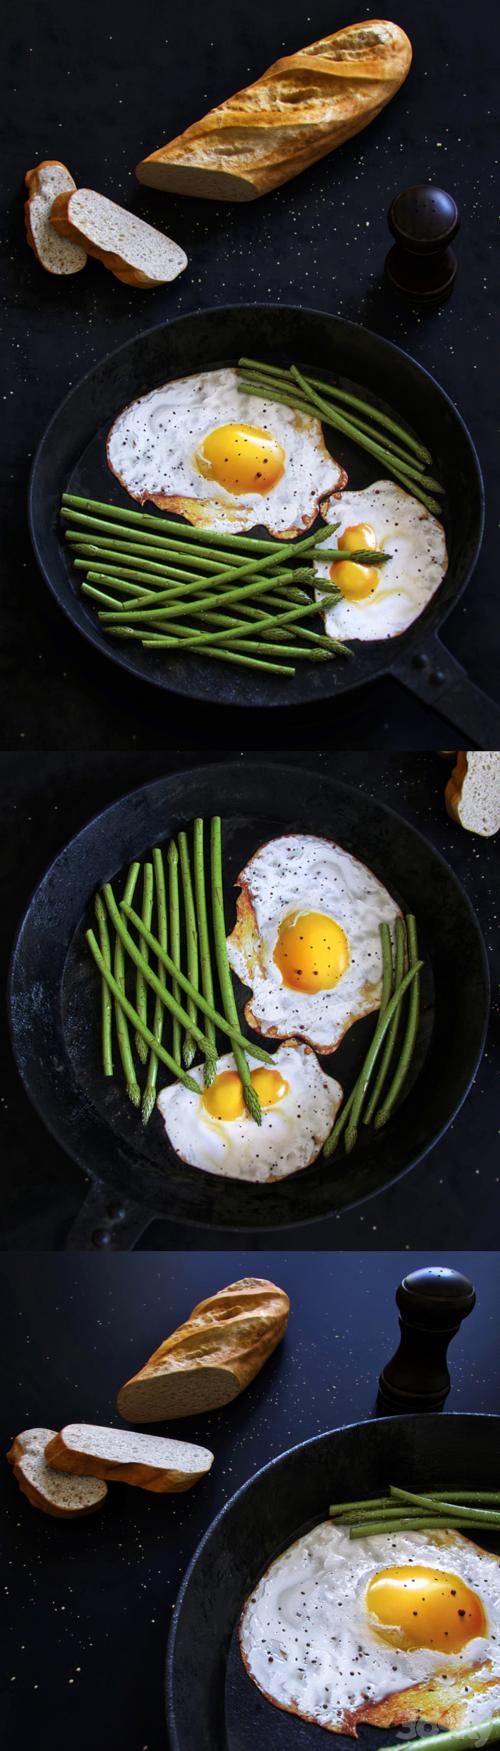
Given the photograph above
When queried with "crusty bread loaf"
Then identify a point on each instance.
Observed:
(212, 1357)
(45, 183)
(65, 1498)
(147, 1461)
(472, 794)
(302, 107)
(133, 251)
(29, 1441)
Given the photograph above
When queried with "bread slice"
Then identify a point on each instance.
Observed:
(302, 107)
(212, 1357)
(66, 1498)
(49, 179)
(29, 1441)
(472, 794)
(134, 251)
(148, 1461)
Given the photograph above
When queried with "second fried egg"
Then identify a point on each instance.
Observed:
(307, 939)
(380, 602)
(214, 1131)
(222, 459)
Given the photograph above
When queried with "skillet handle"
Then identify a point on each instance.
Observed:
(439, 680)
(107, 1223)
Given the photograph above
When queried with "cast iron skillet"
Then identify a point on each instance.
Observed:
(71, 457)
(54, 1001)
(211, 1702)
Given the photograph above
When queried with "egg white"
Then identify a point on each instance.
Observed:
(291, 1134)
(308, 1641)
(300, 873)
(418, 561)
(152, 445)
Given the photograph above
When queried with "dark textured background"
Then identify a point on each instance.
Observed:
(454, 1193)
(102, 85)
(89, 1604)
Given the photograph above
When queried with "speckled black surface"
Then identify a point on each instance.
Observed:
(320, 242)
(89, 1605)
(456, 1192)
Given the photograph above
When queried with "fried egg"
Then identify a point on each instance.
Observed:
(393, 1628)
(214, 1131)
(222, 459)
(307, 939)
(381, 602)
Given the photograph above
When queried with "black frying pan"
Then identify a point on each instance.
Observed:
(71, 457)
(54, 1001)
(211, 1702)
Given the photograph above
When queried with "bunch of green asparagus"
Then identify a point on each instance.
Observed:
(227, 597)
(138, 963)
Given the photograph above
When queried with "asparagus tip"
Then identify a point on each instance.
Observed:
(252, 1103)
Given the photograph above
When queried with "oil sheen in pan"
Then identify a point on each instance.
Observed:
(81, 1016)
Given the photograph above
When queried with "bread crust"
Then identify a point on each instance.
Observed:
(219, 1349)
(302, 107)
(61, 219)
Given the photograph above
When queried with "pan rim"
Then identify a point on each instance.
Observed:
(57, 1130)
(119, 657)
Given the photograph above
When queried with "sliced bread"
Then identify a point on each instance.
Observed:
(29, 1441)
(148, 1461)
(45, 183)
(134, 251)
(472, 794)
(66, 1498)
(212, 1357)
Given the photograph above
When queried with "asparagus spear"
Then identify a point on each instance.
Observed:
(392, 1032)
(175, 938)
(188, 1050)
(207, 983)
(401, 1072)
(106, 1003)
(250, 1095)
(141, 991)
(122, 1031)
(149, 1096)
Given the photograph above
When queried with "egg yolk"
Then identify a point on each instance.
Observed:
(312, 952)
(241, 458)
(225, 1099)
(353, 579)
(417, 1607)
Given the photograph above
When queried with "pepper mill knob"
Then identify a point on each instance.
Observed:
(432, 1304)
(424, 220)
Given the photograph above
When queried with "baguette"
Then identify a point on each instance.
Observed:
(147, 1461)
(29, 1441)
(302, 107)
(212, 1357)
(472, 794)
(45, 183)
(132, 250)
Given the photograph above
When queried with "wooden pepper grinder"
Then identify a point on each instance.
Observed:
(424, 220)
(432, 1304)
